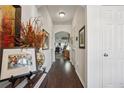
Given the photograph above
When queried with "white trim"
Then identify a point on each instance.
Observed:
(82, 81)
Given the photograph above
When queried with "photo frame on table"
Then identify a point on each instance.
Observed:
(17, 62)
(82, 37)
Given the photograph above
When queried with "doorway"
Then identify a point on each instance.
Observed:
(62, 45)
(112, 25)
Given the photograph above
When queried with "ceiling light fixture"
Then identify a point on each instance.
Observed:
(61, 14)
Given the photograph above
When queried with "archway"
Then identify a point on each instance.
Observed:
(62, 45)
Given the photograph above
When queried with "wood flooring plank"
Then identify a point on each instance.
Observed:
(62, 75)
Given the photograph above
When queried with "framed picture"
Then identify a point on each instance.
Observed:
(17, 62)
(0, 59)
(46, 41)
(82, 37)
(10, 27)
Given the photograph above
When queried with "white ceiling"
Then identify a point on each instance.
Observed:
(69, 13)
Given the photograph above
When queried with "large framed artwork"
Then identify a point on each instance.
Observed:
(17, 22)
(17, 62)
(0, 28)
(0, 39)
(82, 37)
(10, 15)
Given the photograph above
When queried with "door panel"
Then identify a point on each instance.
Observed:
(112, 26)
(107, 30)
(107, 74)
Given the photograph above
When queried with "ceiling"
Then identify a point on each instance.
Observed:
(69, 13)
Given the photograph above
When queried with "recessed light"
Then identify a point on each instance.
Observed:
(61, 14)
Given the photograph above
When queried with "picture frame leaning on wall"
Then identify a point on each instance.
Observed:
(17, 62)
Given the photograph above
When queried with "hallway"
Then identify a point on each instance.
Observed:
(49, 30)
(62, 75)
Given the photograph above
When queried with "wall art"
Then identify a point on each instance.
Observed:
(17, 62)
(82, 37)
(9, 25)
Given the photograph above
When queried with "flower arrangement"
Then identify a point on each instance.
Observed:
(31, 34)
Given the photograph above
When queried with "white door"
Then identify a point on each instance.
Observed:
(112, 22)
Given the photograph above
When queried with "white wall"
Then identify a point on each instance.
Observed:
(94, 49)
(28, 11)
(79, 54)
(59, 28)
(47, 25)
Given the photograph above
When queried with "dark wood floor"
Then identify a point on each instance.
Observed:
(62, 75)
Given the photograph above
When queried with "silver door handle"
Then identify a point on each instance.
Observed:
(105, 55)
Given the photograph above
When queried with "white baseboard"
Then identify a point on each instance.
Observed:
(82, 81)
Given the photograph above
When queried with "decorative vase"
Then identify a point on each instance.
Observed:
(40, 58)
